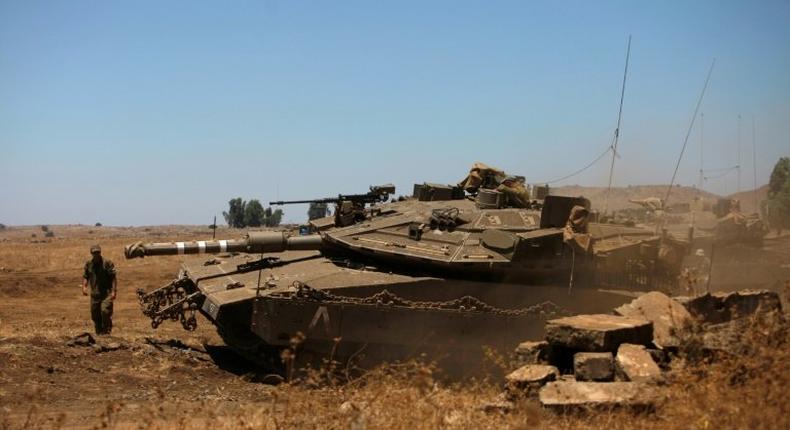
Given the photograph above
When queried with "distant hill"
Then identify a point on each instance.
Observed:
(618, 199)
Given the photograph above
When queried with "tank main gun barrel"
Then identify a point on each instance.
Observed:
(254, 242)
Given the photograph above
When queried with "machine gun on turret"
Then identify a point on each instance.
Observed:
(349, 208)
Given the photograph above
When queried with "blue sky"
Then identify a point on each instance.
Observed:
(159, 112)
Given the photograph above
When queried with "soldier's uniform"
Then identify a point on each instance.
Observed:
(100, 277)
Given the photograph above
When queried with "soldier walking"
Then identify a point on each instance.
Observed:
(100, 276)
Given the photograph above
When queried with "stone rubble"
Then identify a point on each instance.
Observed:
(634, 363)
(528, 379)
(593, 366)
(719, 308)
(534, 352)
(570, 395)
(617, 360)
(598, 332)
(668, 316)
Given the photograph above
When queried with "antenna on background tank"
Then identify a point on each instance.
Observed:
(754, 166)
(738, 144)
(688, 133)
(617, 129)
(701, 146)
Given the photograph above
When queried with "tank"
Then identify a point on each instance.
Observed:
(439, 274)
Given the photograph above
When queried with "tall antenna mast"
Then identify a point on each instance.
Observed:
(617, 130)
(754, 165)
(738, 166)
(688, 133)
(701, 156)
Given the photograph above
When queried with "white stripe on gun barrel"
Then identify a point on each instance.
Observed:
(201, 247)
(180, 246)
(223, 246)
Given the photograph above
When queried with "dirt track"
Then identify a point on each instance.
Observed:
(141, 376)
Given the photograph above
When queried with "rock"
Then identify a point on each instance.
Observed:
(84, 339)
(533, 353)
(634, 363)
(528, 379)
(668, 316)
(107, 344)
(571, 395)
(718, 308)
(593, 366)
(500, 404)
(350, 407)
(111, 346)
(598, 332)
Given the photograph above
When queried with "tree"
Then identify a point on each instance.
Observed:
(254, 215)
(777, 208)
(779, 176)
(251, 214)
(272, 218)
(235, 214)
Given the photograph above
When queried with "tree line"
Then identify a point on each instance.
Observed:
(251, 213)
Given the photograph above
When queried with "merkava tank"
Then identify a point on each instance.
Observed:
(441, 274)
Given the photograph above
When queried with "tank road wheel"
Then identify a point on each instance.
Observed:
(252, 348)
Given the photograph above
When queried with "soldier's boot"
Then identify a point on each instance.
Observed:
(106, 315)
(96, 316)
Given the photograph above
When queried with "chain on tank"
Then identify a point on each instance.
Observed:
(464, 304)
(173, 301)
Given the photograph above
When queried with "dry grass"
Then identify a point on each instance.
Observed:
(746, 391)
(732, 393)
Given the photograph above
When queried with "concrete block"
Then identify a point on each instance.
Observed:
(634, 363)
(593, 366)
(668, 316)
(719, 308)
(528, 379)
(562, 395)
(532, 352)
(598, 332)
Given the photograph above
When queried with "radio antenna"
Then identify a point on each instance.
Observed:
(617, 130)
(688, 133)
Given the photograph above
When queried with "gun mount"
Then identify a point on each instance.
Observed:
(349, 208)
(377, 194)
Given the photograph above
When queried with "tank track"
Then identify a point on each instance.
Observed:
(462, 304)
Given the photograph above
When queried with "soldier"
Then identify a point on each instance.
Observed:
(100, 275)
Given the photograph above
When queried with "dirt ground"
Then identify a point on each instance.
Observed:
(170, 378)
